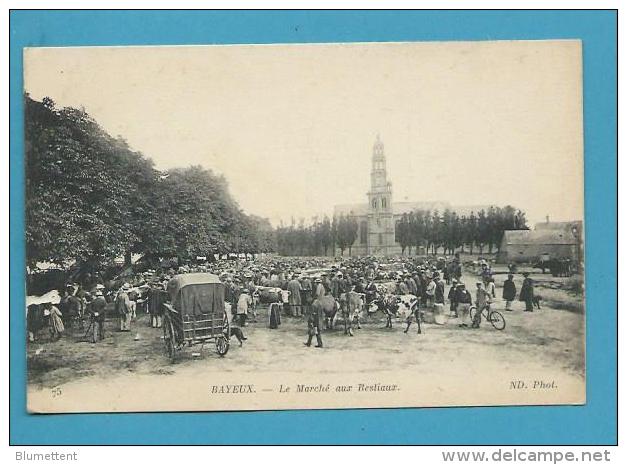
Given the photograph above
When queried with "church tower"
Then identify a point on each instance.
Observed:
(380, 214)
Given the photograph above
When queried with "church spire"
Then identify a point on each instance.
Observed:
(378, 174)
(378, 149)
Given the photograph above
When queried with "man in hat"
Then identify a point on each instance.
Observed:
(123, 308)
(156, 298)
(526, 292)
(295, 302)
(371, 291)
(314, 323)
(337, 285)
(411, 284)
(360, 286)
(439, 289)
(430, 290)
(464, 301)
(244, 303)
(252, 289)
(70, 306)
(319, 290)
(452, 298)
(96, 309)
(509, 291)
(306, 293)
(401, 287)
(417, 284)
(326, 282)
(482, 300)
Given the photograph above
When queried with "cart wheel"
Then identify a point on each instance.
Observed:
(472, 312)
(168, 339)
(497, 320)
(222, 345)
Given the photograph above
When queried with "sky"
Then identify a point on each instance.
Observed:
(291, 127)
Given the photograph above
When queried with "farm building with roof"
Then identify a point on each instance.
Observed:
(546, 241)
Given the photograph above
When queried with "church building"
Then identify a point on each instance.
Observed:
(378, 217)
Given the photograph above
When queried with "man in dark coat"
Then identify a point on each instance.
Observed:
(314, 323)
(156, 298)
(295, 298)
(337, 284)
(319, 289)
(464, 301)
(439, 290)
(452, 297)
(306, 294)
(509, 291)
(96, 309)
(371, 291)
(526, 292)
(360, 286)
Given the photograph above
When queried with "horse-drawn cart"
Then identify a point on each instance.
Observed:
(195, 314)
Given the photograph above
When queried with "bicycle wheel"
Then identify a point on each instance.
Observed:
(497, 320)
(169, 339)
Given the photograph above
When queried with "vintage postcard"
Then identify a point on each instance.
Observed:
(304, 226)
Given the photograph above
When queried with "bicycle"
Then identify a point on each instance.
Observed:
(494, 317)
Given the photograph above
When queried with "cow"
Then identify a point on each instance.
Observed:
(271, 295)
(400, 306)
(330, 307)
(351, 304)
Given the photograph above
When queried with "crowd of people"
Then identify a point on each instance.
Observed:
(304, 281)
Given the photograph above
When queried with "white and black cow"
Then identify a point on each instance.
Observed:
(400, 306)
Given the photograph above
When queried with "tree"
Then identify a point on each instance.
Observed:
(351, 232)
(482, 230)
(345, 232)
(403, 232)
(436, 231)
(520, 221)
(471, 233)
(418, 230)
(341, 238)
(84, 189)
(326, 235)
(90, 198)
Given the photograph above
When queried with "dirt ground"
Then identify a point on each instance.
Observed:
(547, 339)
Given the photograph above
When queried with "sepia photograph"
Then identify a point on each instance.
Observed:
(304, 226)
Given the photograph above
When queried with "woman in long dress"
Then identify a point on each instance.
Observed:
(56, 323)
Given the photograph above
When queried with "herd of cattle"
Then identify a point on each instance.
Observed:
(350, 307)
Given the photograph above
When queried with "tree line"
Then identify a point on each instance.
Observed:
(320, 237)
(90, 198)
(451, 232)
(420, 231)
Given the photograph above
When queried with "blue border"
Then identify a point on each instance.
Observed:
(594, 423)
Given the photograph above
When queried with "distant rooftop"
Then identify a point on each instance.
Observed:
(546, 237)
(398, 208)
(558, 225)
